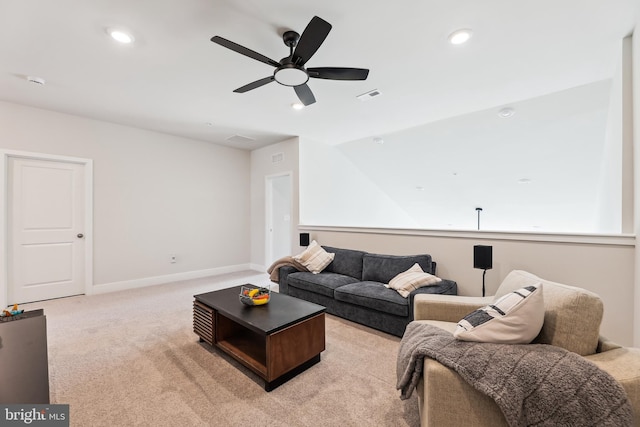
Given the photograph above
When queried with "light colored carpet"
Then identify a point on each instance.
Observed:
(131, 358)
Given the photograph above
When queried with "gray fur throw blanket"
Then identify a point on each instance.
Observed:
(533, 384)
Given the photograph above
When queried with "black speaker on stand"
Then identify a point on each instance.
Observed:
(483, 259)
(304, 239)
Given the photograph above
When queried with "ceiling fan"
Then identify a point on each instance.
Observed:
(290, 71)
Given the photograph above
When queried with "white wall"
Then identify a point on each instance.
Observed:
(336, 192)
(154, 195)
(604, 265)
(283, 228)
(261, 167)
(478, 159)
(610, 188)
(635, 58)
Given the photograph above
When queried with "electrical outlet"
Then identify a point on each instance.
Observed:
(172, 259)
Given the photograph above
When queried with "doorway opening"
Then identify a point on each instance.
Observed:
(279, 228)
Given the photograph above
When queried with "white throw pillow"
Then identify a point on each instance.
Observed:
(515, 318)
(315, 258)
(412, 279)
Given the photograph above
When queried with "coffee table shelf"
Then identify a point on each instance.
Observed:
(276, 341)
(245, 345)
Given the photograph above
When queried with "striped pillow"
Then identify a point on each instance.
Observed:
(515, 318)
(411, 280)
(315, 258)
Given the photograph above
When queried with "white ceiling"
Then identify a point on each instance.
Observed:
(173, 79)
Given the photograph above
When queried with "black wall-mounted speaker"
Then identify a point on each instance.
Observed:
(483, 257)
(304, 239)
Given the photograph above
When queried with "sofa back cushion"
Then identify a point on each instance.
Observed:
(572, 315)
(345, 261)
(383, 268)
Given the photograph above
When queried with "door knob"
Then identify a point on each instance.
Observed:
(80, 236)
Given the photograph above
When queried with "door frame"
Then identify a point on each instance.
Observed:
(5, 155)
(268, 192)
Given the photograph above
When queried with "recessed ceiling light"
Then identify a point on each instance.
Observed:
(506, 112)
(378, 140)
(120, 35)
(460, 36)
(420, 188)
(524, 181)
(297, 106)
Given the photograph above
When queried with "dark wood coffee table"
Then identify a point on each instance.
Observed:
(277, 340)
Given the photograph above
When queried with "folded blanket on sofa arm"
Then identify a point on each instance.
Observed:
(533, 384)
(274, 269)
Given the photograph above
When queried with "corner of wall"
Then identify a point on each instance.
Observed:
(635, 89)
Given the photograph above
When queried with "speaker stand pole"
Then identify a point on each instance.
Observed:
(483, 273)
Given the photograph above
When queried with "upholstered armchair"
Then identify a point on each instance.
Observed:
(572, 321)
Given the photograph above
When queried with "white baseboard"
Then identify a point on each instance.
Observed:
(257, 267)
(160, 280)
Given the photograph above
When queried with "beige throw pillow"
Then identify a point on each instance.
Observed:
(572, 315)
(412, 279)
(515, 318)
(315, 258)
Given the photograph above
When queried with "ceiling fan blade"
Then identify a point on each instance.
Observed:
(254, 85)
(338, 73)
(304, 94)
(244, 51)
(312, 37)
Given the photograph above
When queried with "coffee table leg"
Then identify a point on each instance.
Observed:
(270, 385)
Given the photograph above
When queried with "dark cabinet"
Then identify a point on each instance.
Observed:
(24, 373)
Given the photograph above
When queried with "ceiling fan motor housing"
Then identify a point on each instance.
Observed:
(288, 73)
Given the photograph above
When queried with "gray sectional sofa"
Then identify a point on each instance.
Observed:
(352, 287)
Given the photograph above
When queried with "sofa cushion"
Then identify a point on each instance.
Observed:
(515, 318)
(411, 280)
(345, 261)
(375, 296)
(314, 258)
(323, 284)
(572, 315)
(383, 268)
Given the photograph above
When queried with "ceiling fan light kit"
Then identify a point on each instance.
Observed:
(290, 75)
(290, 71)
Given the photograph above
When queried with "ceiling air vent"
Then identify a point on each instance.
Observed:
(240, 139)
(277, 158)
(368, 95)
(36, 80)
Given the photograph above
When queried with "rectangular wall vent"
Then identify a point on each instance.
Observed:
(277, 158)
(240, 139)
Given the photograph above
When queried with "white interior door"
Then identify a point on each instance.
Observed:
(278, 217)
(46, 220)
